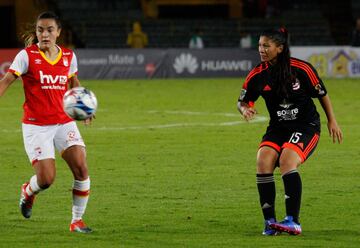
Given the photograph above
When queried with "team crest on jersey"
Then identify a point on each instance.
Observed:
(296, 85)
(65, 61)
(38, 61)
(71, 137)
(38, 151)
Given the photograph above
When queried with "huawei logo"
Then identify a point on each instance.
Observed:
(186, 62)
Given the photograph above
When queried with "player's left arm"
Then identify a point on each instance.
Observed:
(73, 78)
(74, 81)
(333, 127)
(318, 90)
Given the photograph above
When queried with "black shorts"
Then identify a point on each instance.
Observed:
(302, 140)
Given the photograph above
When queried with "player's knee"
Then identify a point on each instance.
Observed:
(81, 173)
(46, 182)
(287, 165)
(264, 165)
(45, 186)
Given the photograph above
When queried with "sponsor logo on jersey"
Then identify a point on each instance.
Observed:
(66, 53)
(288, 114)
(37, 61)
(50, 81)
(36, 52)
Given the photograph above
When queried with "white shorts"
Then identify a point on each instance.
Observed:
(40, 141)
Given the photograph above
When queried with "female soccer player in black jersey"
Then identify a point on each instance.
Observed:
(287, 85)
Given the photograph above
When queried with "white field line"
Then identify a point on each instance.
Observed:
(257, 119)
(182, 112)
(10, 130)
(181, 125)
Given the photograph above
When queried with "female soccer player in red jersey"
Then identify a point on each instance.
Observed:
(287, 85)
(46, 71)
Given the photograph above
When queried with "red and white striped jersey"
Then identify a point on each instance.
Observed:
(45, 83)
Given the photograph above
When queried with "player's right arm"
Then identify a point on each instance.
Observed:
(6, 81)
(247, 112)
(248, 95)
(18, 67)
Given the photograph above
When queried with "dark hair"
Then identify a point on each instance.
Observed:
(281, 71)
(29, 36)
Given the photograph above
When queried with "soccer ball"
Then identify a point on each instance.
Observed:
(80, 103)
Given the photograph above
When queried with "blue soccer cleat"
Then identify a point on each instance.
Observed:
(268, 231)
(287, 225)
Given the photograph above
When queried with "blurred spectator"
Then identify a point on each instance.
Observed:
(263, 8)
(272, 8)
(196, 41)
(245, 40)
(250, 8)
(137, 38)
(150, 8)
(355, 41)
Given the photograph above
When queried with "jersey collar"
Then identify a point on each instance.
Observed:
(48, 60)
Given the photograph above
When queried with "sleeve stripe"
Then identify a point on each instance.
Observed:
(72, 75)
(14, 72)
(254, 72)
(251, 74)
(313, 78)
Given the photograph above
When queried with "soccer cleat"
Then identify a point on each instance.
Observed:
(287, 225)
(79, 226)
(267, 230)
(26, 202)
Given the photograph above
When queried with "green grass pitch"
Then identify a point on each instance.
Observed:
(172, 164)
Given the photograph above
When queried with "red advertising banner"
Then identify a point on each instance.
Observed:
(6, 58)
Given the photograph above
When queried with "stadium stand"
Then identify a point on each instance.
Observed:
(105, 24)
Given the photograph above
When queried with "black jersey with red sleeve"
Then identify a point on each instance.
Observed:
(298, 107)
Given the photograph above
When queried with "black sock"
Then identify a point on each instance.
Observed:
(292, 185)
(266, 187)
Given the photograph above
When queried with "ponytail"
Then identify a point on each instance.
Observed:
(29, 35)
(281, 72)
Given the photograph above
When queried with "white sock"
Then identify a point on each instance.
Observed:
(81, 191)
(33, 188)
